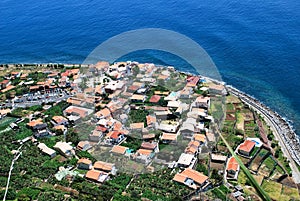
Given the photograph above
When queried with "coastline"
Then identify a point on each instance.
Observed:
(283, 131)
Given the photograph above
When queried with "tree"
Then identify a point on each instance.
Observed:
(277, 153)
(72, 136)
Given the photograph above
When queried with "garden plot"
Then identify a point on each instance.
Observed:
(258, 158)
(266, 167)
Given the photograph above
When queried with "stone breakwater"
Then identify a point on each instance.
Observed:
(283, 130)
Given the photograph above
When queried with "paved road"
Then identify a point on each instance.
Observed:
(277, 132)
(10, 170)
(29, 100)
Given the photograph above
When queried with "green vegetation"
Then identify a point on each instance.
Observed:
(111, 188)
(136, 116)
(132, 143)
(202, 168)
(51, 141)
(220, 192)
(85, 154)
(23, 131)
(261, 192)
(157, 186)
(38, 76)
(56, 110)
(272, 188)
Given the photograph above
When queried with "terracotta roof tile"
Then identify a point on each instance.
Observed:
(119, 149)
(154, 99)
(232, 164)
(247, 146)
(100, 165)
(84, 161)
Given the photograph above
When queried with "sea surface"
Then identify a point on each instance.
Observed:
(255, 44)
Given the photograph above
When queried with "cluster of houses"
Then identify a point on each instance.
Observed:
(114, 90)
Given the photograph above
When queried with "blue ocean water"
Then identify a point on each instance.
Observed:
(255, 44)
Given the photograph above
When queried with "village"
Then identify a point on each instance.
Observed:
(135, 131)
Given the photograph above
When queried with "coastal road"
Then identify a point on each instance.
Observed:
(276, 131)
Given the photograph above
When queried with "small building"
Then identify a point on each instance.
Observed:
(202, 102)
(64, 148)
(167, 138)
(83, 145)
(13, 126)
(74, 113)
(150, 146)
(4, 84)
(174, 104)
(186, 160)
(151, 121)
(187, 130)
(60, 120)
(169, 127)
(137, 98)
(84, 163)
(218, 158)
(97, 176)
(192, 81)
(232, 168)
(162, 114)
(191, 178)
(200, 138)
(115, 137)
(149, 137)
(104, 113)
(210, 137)
(217, 89)
(106, 167)
(155, 99)
(136, 126)
(46, 150)
(95, 136)
(246, 147)
(192, 148)
(144, 155)
(117, 149)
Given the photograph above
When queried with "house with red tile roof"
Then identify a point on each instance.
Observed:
(232, 168)
(118, 149)
(101, 128)
(144, 155)
(83, 145)
(192, 81)
(154, 99)
(95, 136)
(192, 148)
(246, 147)
(104, 113)
(115, 137)
(96, 175)
(104, 166)
(191, 178)
(200, 138)
(151, 121)
(150, 146)
(4, 84)
(202, 102)
(59, 120)
(168, 138)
